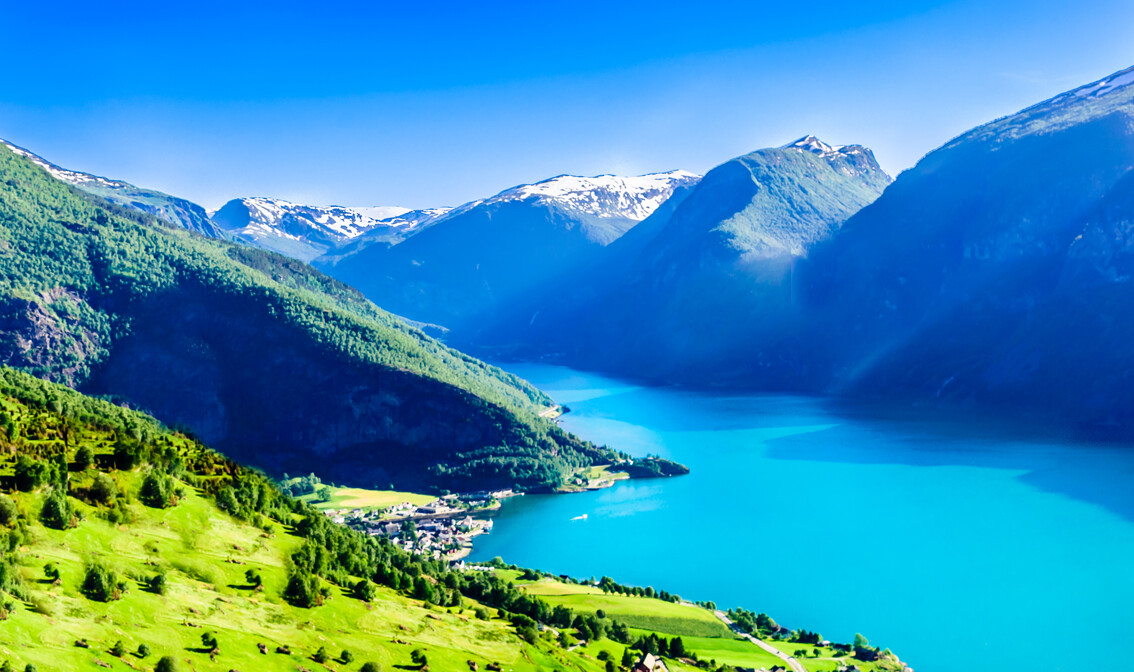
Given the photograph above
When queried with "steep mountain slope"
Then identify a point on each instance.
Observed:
(993, 273)
(688, 294)
(487, 255)
(258, 354)
(305, 231)
(123, 544)
(176, 211)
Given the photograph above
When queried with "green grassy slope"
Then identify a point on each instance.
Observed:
(95, 465)
(260, 355)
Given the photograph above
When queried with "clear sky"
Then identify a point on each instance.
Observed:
(434, 103)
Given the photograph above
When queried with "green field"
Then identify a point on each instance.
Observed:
(642, 613)
(359, 498)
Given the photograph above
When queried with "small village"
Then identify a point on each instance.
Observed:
(441, 529)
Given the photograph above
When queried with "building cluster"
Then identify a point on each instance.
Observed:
(442, 528)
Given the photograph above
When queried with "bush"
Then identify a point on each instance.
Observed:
(9, 514)
(84, 458)
(157, 490)
(157, 584)
(56, 512)
(166, 664)
(303, 591)
(365, 590)
(103, 490)
(101, 584)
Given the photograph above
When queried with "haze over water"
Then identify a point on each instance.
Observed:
(958, 552)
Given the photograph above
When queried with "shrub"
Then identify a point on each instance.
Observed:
(101, 584)
(56, 512)
(166, 664)
(103, 490)
(157, 584)
(365, 590)
(84, 458)
(157, 490)
(9, 514)
(303, 591)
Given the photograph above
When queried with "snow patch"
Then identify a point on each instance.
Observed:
(606, 196)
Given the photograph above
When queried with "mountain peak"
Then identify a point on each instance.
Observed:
(812, 144)
(605, 196)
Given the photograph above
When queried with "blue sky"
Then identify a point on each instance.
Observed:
(423, 104)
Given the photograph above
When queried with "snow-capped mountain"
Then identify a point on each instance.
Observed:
(307, 231)
(177, 211)
(604, 196)
(483, 255)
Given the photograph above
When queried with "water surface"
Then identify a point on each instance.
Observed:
(958, 550)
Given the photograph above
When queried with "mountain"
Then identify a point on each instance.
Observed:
(993, 275)
(255, 353)
(486, 255)
(176, 211)
(305, 231)
(687, 294)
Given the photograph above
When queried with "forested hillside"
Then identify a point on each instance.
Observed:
(255, 353)
(124, 545)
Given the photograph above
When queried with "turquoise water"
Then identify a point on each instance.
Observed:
(957, 552)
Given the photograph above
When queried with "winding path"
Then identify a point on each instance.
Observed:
(791, 662)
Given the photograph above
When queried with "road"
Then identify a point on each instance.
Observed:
(791, 662)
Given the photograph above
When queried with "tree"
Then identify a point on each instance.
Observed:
(610, 666)
(143, 651)
(676, 648)
(56, 512)
(365, 590)
(252, 576)
(125, 455)
(157, 490)
(419, 658)
(118, 650)
(51, 571)
(209, 641)
(84, 458)
(158, 584)
(321, 655)
(861, 642)
(371, 666)
(103, 490)
(166, 664)
(100, 583)
(346, 657)
(303, 591)
(627, 658)
(9, 514)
